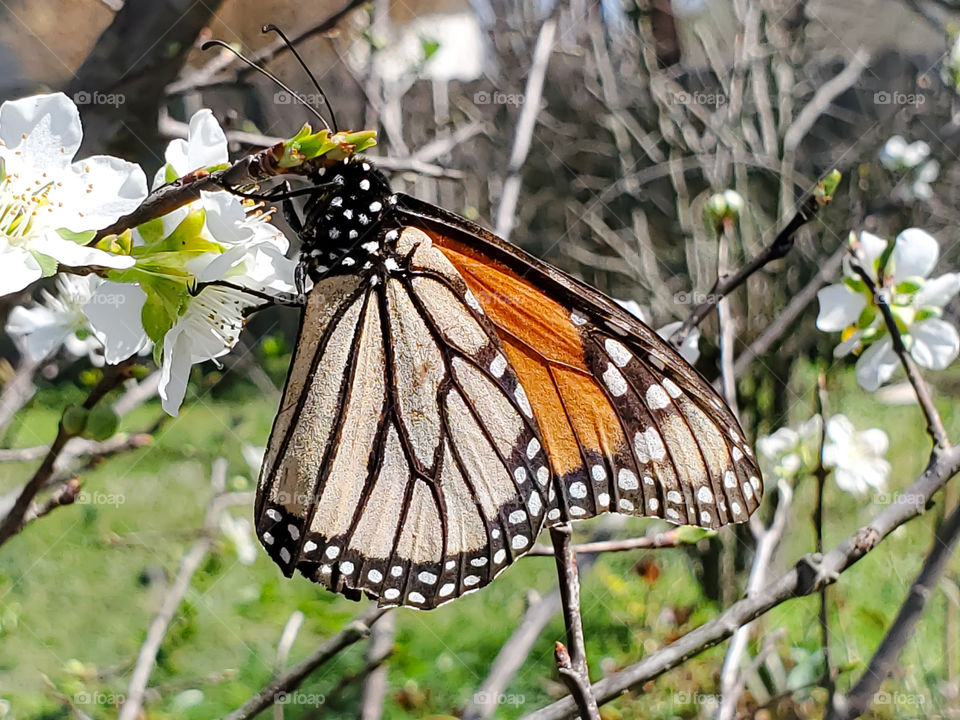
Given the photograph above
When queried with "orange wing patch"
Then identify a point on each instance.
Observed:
(546, 351)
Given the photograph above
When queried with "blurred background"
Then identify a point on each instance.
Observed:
(648, 108)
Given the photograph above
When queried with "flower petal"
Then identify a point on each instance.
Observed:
(18, 268)
(690, 349)
(875, 440)
(44, 128)
(68, 252)
(935, 343)
(207, 145)
(101, 190)
(871, 247)
(37, 331)
(839, 307)
(114, 312)
(914, 255)
(877, 364)
(635, 309)
(938, 291)
(174, 371)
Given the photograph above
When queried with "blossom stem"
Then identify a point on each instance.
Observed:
(935, 427)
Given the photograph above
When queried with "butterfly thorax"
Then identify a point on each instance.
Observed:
(346, 213)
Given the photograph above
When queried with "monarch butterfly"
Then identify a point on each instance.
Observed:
(451, 395)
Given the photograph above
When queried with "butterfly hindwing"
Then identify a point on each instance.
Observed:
(404, 461)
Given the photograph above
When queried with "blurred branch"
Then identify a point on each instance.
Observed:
(884, 661)
(668, 539)
(375, 681)
(825, 94)
(798, 303)
(730, 683)
(132, 64)
(292, 678)
(15, 518)
(935, 428)
(572, 664)
(809, 574)
(523, 136)
(512, 655)
(218, 71)
(191, 561)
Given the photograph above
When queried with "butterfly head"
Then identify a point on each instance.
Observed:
(347, 211)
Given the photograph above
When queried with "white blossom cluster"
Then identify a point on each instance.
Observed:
(141, 297)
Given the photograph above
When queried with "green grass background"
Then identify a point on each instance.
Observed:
(79, 588)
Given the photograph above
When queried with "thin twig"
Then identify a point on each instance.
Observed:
(935, 428)
(13, 522)
(375, 682)
(806, 577)
(730, 683)
(292, 678)
(780, 246)
(572, 664)
(668, 539)
(191, 561)
(523, 137)
(820, 474)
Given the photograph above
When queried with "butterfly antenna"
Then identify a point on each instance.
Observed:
(273, 28)
(220, 43)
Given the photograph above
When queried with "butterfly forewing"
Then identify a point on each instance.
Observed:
(627, 424)
(404, 462)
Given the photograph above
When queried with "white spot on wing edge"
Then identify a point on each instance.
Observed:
(498, 365)
(657, 397)
(617, 351)
(614, 381)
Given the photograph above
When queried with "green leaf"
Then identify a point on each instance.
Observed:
(855, 284)
(120, 244)
(909, 286)
(430, 47)
(165, 301)
(151, 231)
(80, 238)
(867, 316)
(48, 266)
(828, 186)
(102, 422)
(689, 534)
(169, 174)
(74, 419)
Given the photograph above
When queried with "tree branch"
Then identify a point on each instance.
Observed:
(13, 522)
(292, 678)
(572, 664)
(807, 576)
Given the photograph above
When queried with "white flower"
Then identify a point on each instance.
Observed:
(57, 320)
(239, 532)
(787, 452)
(690, 349)
(250, 254)
(857, 458)
(916, 302)
(912, 162)
(46, 199)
